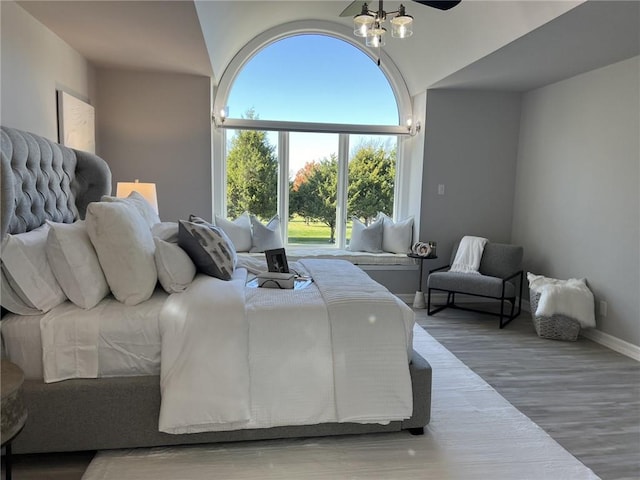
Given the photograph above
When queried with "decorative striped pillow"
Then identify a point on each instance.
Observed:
(209, 248)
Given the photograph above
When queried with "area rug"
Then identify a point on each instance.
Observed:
(474, 434)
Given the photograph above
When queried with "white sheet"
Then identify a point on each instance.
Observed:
(469, 254)
(128, 342)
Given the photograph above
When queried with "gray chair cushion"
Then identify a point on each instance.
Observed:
(498, 259)
(501, 260)
(484, 285)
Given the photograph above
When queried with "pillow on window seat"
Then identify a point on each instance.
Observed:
(238, 231)
(396, 237)
(366, 238)
(209, 248)
(266, 237)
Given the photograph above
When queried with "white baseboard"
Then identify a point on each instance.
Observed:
(614, 343)
(406, 297)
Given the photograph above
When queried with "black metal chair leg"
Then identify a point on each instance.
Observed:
(7, 461)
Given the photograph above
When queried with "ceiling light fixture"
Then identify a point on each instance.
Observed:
(370, 25)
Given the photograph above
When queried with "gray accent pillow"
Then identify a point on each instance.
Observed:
(209, 248)
(366, 238)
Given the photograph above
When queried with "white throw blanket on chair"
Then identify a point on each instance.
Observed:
(469, 254)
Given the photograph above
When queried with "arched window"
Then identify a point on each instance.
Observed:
(313, 78)
(311, 129)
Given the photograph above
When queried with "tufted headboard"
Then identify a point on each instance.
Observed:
(43, 180)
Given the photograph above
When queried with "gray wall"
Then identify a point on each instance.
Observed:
(577, 205)
(471, 148)
(34, 64)
(156, 127)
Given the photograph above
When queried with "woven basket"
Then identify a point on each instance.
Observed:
(556, 327)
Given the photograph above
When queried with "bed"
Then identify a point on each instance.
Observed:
(215, 361)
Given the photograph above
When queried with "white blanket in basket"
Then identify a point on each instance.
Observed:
(571, 298)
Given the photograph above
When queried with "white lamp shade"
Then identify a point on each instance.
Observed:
(147, 190)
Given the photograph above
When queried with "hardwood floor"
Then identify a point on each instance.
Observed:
(585, 396)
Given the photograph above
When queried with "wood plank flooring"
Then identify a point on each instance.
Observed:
(585, 396)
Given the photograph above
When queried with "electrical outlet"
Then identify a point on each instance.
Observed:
(441, 189)
(603, 308)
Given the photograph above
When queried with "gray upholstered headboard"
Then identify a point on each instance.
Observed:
(43, 180)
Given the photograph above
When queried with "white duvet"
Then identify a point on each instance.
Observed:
(235, 357)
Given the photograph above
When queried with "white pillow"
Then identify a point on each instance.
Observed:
(396, 237)
(24, 262)
(167, 231)
(125, 248)
(12, 301)
(75, 263)
(238, 231)
(266, 237)
(175, 268)
(209, 247)
(140, 203)
(366, 238)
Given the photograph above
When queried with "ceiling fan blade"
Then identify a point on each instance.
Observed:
(439, 4)
(353, 9)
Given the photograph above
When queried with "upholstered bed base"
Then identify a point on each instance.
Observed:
(97, 414)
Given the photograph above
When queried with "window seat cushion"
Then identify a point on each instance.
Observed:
(357, 258)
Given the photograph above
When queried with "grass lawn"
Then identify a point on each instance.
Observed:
(312, 233)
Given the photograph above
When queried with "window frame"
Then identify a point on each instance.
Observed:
(402, 131)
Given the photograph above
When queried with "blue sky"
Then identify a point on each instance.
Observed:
(314, 78)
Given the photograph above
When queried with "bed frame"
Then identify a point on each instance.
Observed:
(42, 180)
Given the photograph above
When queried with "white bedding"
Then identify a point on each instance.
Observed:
(345, 363)
(128, 342)
(280, 325)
